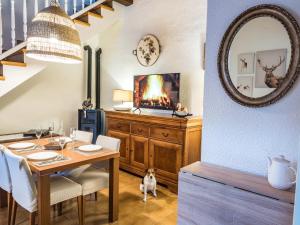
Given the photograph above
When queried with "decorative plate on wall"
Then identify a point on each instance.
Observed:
(148, 50)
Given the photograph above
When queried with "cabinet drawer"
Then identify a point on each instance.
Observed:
(119, 125)
(140, 129)
(170, 135)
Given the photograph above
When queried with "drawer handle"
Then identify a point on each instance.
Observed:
(140, 130)
(165, 134)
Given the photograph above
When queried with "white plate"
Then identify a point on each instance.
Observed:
(90, 148)
(67, 139)
(23, 145)
(42, 156)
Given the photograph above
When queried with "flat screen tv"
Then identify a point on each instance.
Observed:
(156, 91)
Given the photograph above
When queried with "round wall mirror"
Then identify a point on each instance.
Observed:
(259, 56)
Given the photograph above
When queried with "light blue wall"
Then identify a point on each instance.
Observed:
(297, 201)
(236, 136)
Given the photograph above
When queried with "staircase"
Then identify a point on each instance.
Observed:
(90, 16)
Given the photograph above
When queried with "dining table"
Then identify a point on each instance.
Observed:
(74, 160)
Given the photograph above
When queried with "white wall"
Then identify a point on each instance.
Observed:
(56, 93)
(234, 135)
(180, 27)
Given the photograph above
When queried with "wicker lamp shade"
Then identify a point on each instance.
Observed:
(53, 37)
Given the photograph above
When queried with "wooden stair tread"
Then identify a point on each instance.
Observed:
(125, 2)
(94, 14)
(80, 22)
(13, 63)
(107, 7)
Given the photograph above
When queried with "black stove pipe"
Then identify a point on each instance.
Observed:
(98, 81)
(89, 66)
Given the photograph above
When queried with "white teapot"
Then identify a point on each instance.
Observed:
(279, 173)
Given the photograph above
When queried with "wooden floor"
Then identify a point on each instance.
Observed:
(133, 211)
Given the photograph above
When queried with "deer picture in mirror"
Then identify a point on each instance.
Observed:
(259, 56)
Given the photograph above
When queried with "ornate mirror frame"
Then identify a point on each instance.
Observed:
(292, 28)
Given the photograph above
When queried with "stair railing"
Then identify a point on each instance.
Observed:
(23, 11)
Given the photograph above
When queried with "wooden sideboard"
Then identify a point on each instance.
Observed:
(210, 194)
(157, 141)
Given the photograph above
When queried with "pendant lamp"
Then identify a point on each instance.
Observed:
(53, 37)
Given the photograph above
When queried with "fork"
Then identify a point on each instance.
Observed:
(57, 159)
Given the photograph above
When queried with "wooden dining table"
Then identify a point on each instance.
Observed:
(75, 159)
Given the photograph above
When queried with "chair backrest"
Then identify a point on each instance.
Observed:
(84, 136)
(5, 180)
(23, 187)
(109, 142)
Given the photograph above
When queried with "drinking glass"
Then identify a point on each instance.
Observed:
(51, 130)
(73, 136)
(62, 142)
(38, 134)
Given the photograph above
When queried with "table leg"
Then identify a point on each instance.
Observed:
(3, 198)
(43, 200)
(113, 189)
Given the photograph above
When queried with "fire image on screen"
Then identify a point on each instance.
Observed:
(157, 91)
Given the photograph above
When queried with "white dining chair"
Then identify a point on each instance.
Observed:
(5, 181)
(24, 189)
(109, 143)
(94, 179)
(84, 136)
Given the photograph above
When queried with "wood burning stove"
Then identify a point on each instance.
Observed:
(92, 120)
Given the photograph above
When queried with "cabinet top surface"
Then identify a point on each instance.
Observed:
(238, 179)
(148, 115)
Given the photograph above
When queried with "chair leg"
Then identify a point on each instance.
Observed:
(32, 218)
(14, 212)
(81, 203)
(59, 208)
(10, 202)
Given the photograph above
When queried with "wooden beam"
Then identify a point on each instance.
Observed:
(125, 2)
(12, 63)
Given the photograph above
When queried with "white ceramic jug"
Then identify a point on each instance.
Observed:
(279, 173)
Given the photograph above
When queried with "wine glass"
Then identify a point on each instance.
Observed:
(62, 142)
(38, 134)
(73, 136)
(51, 130)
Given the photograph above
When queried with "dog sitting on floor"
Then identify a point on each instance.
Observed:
(148, 184)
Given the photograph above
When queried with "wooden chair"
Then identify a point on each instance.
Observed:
(5, 181)
(24, 189)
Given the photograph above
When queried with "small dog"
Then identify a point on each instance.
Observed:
(148, 184)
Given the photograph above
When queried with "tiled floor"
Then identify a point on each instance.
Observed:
(133, 211)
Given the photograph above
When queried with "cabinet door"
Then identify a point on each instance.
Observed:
(139, 152)
(124, 147)
(165, 158)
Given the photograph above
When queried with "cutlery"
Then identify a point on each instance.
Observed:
(57, 159)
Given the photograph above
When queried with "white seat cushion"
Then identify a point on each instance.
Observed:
(92, 180)
(62, 189)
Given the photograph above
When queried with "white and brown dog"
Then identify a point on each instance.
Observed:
(148, 184)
